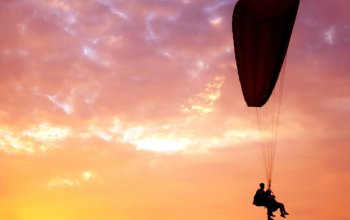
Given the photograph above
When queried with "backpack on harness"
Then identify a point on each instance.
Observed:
(259, 199)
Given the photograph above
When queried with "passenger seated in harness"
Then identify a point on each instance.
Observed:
(272, 205)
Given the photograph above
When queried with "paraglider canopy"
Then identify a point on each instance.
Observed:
(261, 32)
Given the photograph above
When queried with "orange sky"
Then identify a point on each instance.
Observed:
(132, 110)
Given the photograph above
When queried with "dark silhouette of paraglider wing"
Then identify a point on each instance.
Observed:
(261, 34)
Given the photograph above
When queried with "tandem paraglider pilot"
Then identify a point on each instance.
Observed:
(260, 196)
(268, 200)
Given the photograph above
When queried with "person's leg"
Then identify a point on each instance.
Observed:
(270, 212)
(282, 209)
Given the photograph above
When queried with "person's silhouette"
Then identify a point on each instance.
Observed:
(260, 196)
(272, 205)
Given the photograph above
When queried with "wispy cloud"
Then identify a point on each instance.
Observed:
(73, 181)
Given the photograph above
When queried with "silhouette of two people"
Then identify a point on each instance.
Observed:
(268, 200)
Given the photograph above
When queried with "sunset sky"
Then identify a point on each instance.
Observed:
(132, 110)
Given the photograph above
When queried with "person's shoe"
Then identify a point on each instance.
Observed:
(270, 218)
(271, 215)
(283, 216)
(286, 213)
